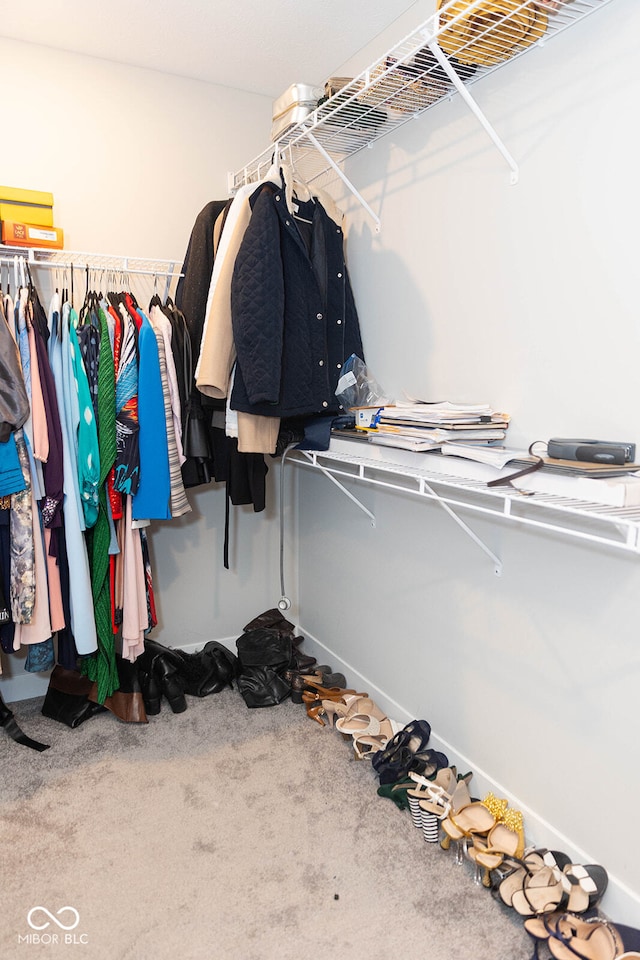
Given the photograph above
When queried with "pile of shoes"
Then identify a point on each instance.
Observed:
(172, 674)
(558, 898)
(268, 658)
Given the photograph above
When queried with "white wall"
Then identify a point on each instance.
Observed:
(521, 295)
(131, 157)
(526, 297)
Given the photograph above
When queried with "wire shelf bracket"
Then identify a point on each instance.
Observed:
(570, 517)
(425, 489)
(473, 107)
(436, 60)
(335, 167)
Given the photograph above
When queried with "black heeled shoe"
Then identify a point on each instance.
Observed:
(151, 691)
(167, 676)
(428, 762)
(226, 662)
(395, 761)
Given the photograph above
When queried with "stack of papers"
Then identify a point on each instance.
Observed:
(495, 456)
(426, 426)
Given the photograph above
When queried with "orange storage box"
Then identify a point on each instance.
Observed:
(31, 235)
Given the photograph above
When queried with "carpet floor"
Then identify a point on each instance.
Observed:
(223, 833)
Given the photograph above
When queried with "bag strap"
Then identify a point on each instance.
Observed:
(8, 722)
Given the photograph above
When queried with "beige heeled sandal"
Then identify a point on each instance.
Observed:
(505, 839)
(366, 744)
(334, 710)
(363, 716)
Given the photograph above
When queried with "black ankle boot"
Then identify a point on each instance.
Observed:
(166, 674)
(151, 691)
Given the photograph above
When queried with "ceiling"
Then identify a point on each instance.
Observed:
(247, 44)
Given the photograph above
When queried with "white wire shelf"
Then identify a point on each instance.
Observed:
(449, 52)
(41, 256)
(617, 527)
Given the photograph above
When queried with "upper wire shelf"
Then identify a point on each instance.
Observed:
(38, 256)
(450, 51)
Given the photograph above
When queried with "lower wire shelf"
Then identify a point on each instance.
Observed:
(617, 527)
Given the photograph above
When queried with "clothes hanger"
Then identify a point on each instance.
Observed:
(84, 309)
(299, 184)
(155, 299)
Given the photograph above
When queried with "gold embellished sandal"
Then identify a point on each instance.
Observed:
(505, 839)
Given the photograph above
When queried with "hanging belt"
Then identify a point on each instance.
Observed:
(504, 481)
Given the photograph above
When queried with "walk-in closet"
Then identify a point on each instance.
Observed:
(478, 213)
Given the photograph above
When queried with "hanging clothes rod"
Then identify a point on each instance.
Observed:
(64, 259)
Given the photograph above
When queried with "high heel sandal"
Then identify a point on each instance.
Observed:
(513, 873)
(367, 726)
(472, 820)
(334, 709)
(569, 937)
(398, 792)
(362, 716)
(575, 889)
(443, 784)
(367, 745)
(395, 761)
(414, 736)
(505, 839)
(540, 929)
(429, 762)
(315, 711)
(316, 699)
(440, 804)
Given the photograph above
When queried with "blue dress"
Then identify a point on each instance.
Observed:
(152, 500)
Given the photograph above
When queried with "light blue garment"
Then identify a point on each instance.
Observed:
(87, 436)
(83, 624)
(152, 501)
(71, 410)
(11, 478)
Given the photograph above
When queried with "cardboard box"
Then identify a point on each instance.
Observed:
(31, 235)
(37, 198)
(26, 213)
(26, 206)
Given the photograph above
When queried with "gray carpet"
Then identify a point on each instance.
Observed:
(225, 834)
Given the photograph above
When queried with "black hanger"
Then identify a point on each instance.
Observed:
(85, 308)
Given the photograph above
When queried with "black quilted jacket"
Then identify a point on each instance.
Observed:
(294, 318)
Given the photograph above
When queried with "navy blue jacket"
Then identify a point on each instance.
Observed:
(293, 314)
